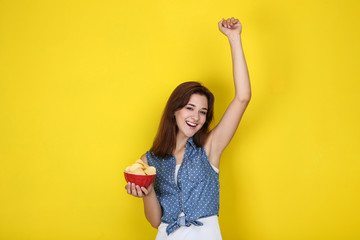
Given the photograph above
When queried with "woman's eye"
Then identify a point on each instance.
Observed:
(189, 108)
(202, 112)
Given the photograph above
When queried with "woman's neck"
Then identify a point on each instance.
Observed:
(180, 142)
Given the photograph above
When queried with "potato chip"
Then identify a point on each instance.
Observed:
(139, 161)
(140, 168)
(135, 166)
(145, 166)
(138, 171)
(150, 171)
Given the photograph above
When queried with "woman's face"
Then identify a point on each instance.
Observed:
(192, 116)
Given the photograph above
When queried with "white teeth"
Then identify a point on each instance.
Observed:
(191, 124)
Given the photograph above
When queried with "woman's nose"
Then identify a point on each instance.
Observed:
(196, 116)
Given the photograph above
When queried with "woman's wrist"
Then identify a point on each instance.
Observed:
(234, 38)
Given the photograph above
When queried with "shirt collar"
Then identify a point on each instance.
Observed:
(190, 142)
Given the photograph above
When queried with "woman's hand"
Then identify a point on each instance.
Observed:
(230, 26)
(138, 191)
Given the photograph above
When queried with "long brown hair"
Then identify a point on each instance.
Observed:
(165, 140)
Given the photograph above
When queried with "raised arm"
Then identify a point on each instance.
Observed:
(221, 135)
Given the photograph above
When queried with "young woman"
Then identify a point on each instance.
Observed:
(183, 202)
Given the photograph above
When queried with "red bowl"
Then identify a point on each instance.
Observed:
(141, 180)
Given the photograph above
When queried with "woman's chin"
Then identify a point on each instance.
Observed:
(191, 134)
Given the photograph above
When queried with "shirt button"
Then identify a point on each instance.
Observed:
(179, 179)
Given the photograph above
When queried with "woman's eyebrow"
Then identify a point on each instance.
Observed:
(195, 106)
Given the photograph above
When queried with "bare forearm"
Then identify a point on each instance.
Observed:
(152, 209)
(240, 70)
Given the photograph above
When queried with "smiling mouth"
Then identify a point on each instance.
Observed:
(190, 124)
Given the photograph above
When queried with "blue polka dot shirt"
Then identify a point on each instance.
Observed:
(196, 192)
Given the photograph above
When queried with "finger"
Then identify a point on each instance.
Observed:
(223, 22)
(139, 192)
(133, 190)
(145, 191)
(233, 21)
(149, 187)
(128, 186)
(228, 22)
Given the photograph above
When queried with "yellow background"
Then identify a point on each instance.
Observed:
(83, 85)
